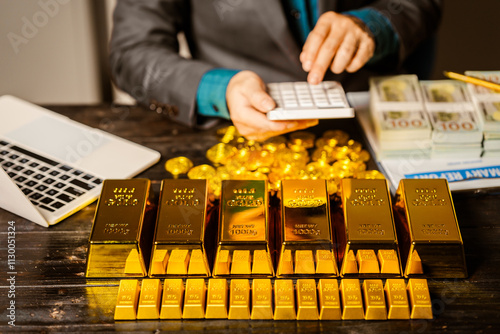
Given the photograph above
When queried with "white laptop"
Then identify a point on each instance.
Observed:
(53, 166)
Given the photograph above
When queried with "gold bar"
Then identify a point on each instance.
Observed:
(180, 230)
(373, 292)
(216, 299)
(262, 303)
(388, 260)
(352, 303)
(239, 299)
(366, 228)
(367, 261)
(284, 300)
(306, 233)
(420, 299)
(126, 303)
(120, 241)
(397, 299)
(171, 302)
(307, 303)
(350, 265)
(428, 225)
(149, 299)
(329, 300)
(243, 230)
(194, 299)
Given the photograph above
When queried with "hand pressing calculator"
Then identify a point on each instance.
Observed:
(300, 100)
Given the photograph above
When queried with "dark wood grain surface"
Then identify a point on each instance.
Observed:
(52, 293)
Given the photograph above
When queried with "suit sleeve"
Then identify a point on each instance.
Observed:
(145, 61)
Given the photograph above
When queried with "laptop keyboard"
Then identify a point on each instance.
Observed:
(48, 184)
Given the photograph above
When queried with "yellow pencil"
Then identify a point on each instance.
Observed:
(472, 80)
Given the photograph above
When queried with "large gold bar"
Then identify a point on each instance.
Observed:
(239, 299)
(397, 299)
(329, 299)
(194, 299)
(120, 241)
(428, 230)
(262, 300)
(352, 303)
(420, 299)
(373, 292)
(179, 241)
(305, 235)
(307, 302)
(284, 300)
(173, 296)
(216, 299)
(149, 299)
(244, 246)
(128, 297)
(367, 233)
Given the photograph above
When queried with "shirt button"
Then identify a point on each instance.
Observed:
(215, 108)
(295, 14)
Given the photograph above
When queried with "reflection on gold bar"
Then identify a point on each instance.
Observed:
(306, 233)
(373, 291)
(128, 296)
(427, 224)
(367, 228)
(239, 299)
(194, 299)
(149, 300)
(243, 230)
(304, 262)
(420, 299)
(329, 300)
(120, 241)
(367, 261)
(216, 299)
(262, 306)
(180, 230)
(388, 260)
(307, 304)
(284, 300)
(350, 265)
(397, 299)
(352, 303)
(173, 295)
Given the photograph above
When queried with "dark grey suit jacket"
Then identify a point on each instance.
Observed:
(238, 34)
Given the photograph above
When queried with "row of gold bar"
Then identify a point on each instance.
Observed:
(304, 238)
(258, 299)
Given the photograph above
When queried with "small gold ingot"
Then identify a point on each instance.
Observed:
(415, 264)
(171, 302)
(325, 263)
(388, 260)
(420, 299)
(352, 303)
(149, 300)
(261, 262)
(397, 299)
(367, 261)
(241, 263)
(329, 300)
(223, 262)
(159, 262)
(239, 299)
(194, 299)
(307, 304)
(126, 303)
(350, 264)
(197, 264)
(373, 291)
(216, 299)
(286, 264)
(284, 300)
(304, 262)
(262, 304)
(178, 262)
(133, 263)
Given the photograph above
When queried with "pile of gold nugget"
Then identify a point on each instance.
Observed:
(333, 156)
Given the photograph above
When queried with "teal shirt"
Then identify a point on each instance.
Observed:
(211, 94)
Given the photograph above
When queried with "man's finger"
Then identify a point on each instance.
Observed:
(363, 54)
(313, 43)
(325, 56)
(345, 53)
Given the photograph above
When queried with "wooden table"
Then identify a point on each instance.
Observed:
(52, 293)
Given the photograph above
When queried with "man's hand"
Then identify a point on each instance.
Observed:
(248, 103)
(337, 42)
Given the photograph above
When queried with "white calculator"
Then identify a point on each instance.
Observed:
(301, 100)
